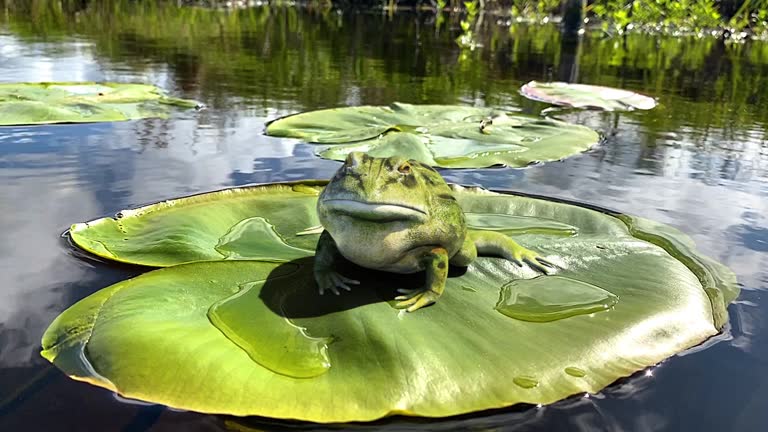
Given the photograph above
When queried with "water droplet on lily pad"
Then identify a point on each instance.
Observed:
(551, 298)
(575, 372)
(526, 381)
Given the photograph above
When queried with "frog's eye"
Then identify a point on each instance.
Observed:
(404, 168)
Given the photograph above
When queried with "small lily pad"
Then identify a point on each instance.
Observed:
(437, 135)
(587, 96)
(82, 102)
(253, 337)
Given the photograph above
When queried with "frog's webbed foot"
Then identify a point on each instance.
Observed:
(326, 256)
(522, 255)
(331, 281)
(436, 266)
(413, 299)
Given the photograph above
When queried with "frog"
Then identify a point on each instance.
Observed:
(399, 215)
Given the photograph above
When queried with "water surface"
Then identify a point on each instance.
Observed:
(698, 162)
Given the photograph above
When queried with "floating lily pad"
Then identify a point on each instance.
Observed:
(586, 96)
(437, 135)
(82, 102)
(248, 337)
(228, 224)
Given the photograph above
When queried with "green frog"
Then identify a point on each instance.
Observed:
(400, 216)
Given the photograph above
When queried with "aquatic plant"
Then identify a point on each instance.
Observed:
(442, 136)
(243, 334)
(81, 102)
(586, 96)
(467, 39)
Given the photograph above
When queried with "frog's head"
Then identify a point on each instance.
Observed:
(390, 189)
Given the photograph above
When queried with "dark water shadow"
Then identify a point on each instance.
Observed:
(294, 294)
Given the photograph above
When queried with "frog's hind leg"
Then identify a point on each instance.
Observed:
(466, 254)
(496, 244)
(436, 265)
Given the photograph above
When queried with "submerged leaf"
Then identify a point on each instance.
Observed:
(443, 136)
(586, 96)
(248, 337)
(82, 102)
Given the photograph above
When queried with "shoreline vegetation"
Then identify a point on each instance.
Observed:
(213, 52)
(734, 20)
(730, 19)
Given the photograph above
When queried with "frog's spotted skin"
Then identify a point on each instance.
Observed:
(400, 216)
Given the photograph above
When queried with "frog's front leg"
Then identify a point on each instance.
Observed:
(326, 256)
(497, 244)
(436, 265)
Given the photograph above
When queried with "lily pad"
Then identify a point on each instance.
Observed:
(586, 96)
(253, 337)
(82, 102)
(228, 224)
(437, 135)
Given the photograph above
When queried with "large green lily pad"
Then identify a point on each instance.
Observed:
(586, 96)
(253, 337)
(82, 102)
(437, 135)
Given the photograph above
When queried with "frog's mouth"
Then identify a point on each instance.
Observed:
(381, 212)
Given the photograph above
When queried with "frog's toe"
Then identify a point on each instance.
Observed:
(539, 264)
(545, 263)
(533, 259)
(332, 281)
(416, 300)
(343, 281)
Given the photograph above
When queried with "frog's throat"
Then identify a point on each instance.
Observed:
(375, 211)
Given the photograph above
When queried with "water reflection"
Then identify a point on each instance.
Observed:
(698, 162)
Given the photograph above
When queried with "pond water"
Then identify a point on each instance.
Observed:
(698, 162)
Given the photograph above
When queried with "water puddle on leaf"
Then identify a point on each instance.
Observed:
(551, 298)
(516, 225)
(575, 372)
(256, 238)
(270, 339)
(526, 381)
